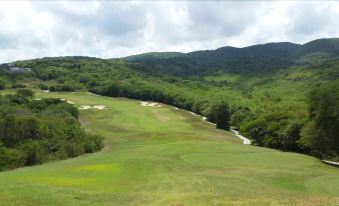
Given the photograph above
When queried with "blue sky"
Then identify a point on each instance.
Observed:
(33, 29)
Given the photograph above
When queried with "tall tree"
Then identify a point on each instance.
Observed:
(322, 132)
(220, 114)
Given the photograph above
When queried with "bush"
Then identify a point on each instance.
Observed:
(2, 85)
(64, 107)
(43, 86)
(33, 152)
(93, 143)
(220, 114)
(10, 158)
(18, 85)
(239, 115)
(25, 93)
(65, 87)
(52, 89)
(290, 138)
(74, 149)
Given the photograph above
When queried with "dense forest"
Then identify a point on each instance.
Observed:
(280, 95)
(33, 131)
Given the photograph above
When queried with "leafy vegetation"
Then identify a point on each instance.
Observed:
(36, 131)
(320, 135)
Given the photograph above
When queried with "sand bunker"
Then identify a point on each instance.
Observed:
(84, 107)
(37, 99)
(99, 107)
(150, 104)
(68, 101)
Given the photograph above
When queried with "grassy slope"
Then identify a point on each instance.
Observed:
(163, 156)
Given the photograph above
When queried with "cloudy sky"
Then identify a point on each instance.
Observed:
(113, 29)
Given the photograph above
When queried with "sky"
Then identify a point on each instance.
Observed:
(108, 29)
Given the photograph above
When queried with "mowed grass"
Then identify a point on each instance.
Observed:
(162, 156)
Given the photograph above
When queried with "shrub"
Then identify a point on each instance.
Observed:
(33, 152)
(18, 85)
(2, 85)
(220, 114)
(43, 86)
(25, 93)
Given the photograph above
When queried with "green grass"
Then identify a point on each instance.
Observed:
(162, 156)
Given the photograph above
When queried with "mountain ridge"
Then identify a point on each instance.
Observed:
(256, 58)
(313, 42)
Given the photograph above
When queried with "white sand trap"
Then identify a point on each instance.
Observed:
(83, 107)
(38, 99)
(99, 107)
(150, 104)
(46, 90)
(68, 101)
(176, 108)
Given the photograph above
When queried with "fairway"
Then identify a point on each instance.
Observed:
(163, 156)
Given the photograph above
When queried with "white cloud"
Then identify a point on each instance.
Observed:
(112, 29)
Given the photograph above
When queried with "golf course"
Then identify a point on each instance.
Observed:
(159, 155)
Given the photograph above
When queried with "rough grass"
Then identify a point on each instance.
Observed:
(162, 156)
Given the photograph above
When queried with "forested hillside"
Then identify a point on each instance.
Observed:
(266, 91)
(255, 59)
